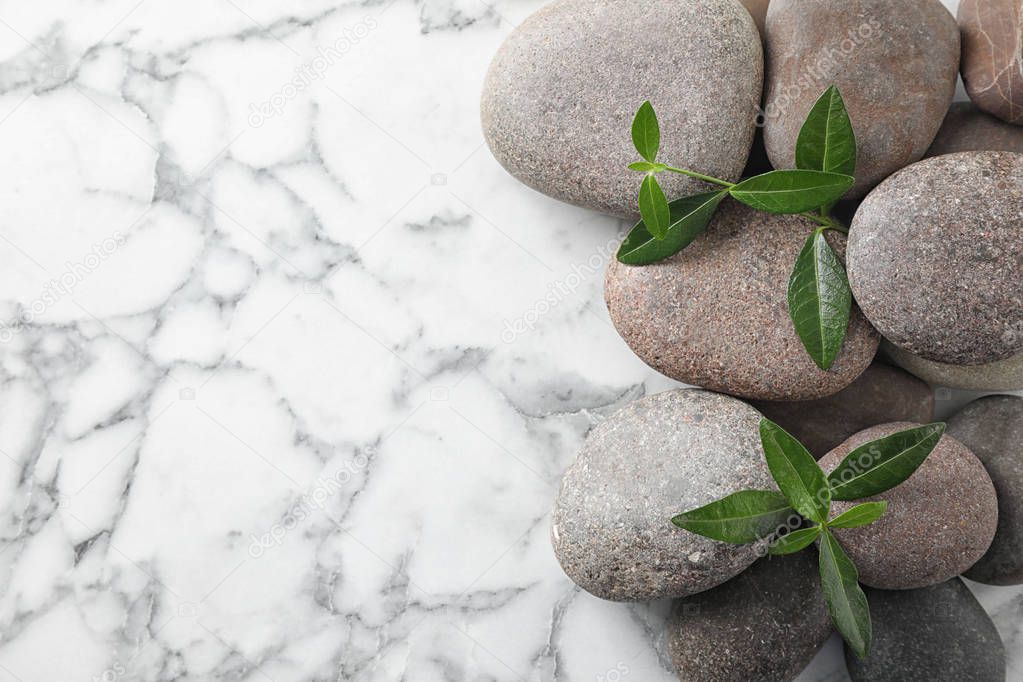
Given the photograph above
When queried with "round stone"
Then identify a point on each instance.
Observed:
(939, 522)
(968, 129)
(933, 633)
(757, 10)
(651, 460)
(561, 93)
(880, 395)
(935, 257)
(716, 314)
(992, 428)
(993, 55)
(765, 624)
(1002, 375)
(895, 64)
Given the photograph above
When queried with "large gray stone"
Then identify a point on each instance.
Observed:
(654, 458)
(1002, 375)
(993, 55)
(935, 257)
(992, 428)
(880, 395)
(561, 93)
(968, 129)
(931, 634)
(939, 522)
(716, 314)
(894, 62)
(764, 625)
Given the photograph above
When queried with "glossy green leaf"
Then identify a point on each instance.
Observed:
(740, 518)
(646, 133)
(882, 464)
(647, 167)
(796, 472)
(860, 515)
(826, 141)
(792, 542)
(820, 300)
(791, 191)
(689, 217)
(846, 601)
(653, 207)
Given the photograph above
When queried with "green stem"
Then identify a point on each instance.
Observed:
(700, 176)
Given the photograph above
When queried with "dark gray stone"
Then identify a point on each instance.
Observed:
(880, 395)
(716, 314)
(654, 458)
(935, 257)
(560, 95)
(992, 428)
(895, 63)
(993, 55)
(765, 625)
(933, 634)
(939, 522)
(968, 129)
(1002, 375)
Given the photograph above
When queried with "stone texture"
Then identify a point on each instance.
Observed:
(560, 95)
(716, 314)
(758, 10)
(927, 635)
(654, 458)
(992, 428)
(968, 129)
(895, 63)
(1002, 375)
(764, 625)
(880, 395)
(939, 522)
(935, 257)
(993, 55)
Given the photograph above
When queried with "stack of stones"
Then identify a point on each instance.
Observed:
(935, 261)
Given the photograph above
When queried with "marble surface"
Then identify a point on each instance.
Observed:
(289, 367)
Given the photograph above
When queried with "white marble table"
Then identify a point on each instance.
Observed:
(289, 366)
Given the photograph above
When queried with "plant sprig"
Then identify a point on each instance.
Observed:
(819, 297)
(806, 494)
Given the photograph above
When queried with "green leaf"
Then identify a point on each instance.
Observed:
(647, 167)
(791, 191)
(646, 133)
(797, 473)
(689, 217)
(846, 601)
(740, 518)
(860, 515)
(882, 464)
(653, 207)
(826, 141)
(820, 300)
(792, 542)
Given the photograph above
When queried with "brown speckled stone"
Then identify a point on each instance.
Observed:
(939, 522)
(654, 458)
(935, 257)
(992, 428)
(561, 93)
(765, 624)
(1002, 375)
(968, 129)
(895, 63)
(880, 395)
(993, 55)
(716, 314)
